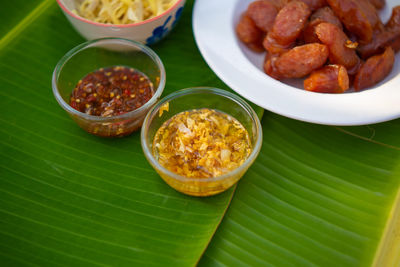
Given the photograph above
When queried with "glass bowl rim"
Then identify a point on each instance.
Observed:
(91, 43)
(208, 90)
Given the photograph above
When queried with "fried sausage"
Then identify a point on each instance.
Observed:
(289, 23)
(273, 47)
(279, 3)
(337, 41)
(395, 44)
(301, 60)
(374, 70)
(378, 44)
(269, 66)
(249, 34)
(358, 16)
(324, 14)
(314, 4)
(329, 79)
(389, 36)
(256, 47)
(378, 4)
(371, 14)
(263, 14)
(394, 21)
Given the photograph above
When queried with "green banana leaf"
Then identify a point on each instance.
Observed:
(317, 195)
(70, 198)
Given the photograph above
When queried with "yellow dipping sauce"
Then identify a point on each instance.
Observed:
(201, 143)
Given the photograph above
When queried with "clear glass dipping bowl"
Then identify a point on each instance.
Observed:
(197, 98)
(101, 53)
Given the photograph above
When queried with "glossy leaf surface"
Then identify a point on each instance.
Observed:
(316, 195)
(69, 198)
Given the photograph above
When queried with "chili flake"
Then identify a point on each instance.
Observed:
(108, 91)
(201, 143)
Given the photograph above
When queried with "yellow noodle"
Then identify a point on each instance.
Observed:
(121, 11)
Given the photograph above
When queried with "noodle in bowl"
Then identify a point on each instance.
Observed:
(145, 21)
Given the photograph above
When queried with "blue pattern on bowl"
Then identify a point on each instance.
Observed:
(161, 31)
(178, 14)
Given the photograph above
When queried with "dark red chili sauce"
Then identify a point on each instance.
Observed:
(111, 91)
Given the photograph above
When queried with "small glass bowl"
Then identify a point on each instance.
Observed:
(101, 53)
(197, 98)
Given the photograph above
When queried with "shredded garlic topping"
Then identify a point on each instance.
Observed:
(201, 143)
(121, 11)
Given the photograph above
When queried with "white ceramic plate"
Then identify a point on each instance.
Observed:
(214, 29)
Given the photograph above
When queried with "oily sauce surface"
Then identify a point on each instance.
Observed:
(201, 143)
(111, 91)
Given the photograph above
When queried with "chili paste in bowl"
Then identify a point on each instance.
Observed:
(108, 85)
(111, 91)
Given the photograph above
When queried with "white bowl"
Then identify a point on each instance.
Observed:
(147, 32)
(214, 28)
